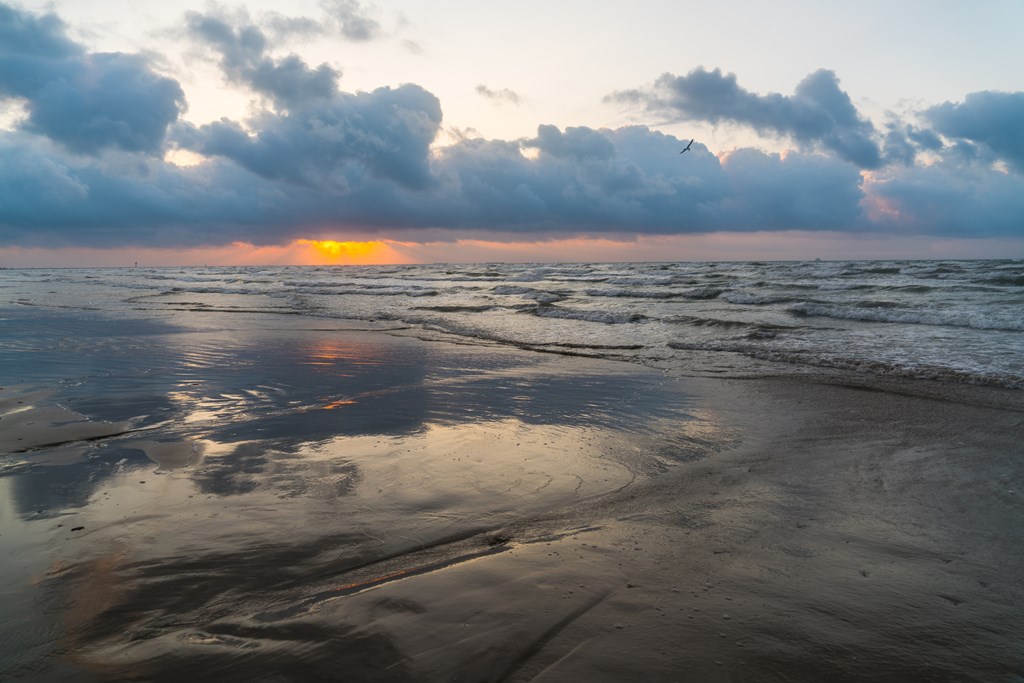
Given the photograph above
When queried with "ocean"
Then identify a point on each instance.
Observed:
(955, 321)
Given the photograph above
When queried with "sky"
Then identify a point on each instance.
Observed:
(341, 131)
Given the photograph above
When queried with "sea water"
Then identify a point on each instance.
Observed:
(956, 321)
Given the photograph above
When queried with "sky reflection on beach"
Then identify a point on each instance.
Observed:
(254, 451)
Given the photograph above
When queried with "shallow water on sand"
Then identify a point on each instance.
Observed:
(252, 497)
(158, 477)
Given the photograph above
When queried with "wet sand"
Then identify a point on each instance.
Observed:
(258, 501)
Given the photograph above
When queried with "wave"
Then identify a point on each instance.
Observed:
(220, 290)
(634, 293)
(412, 291)
(349, 285)
(842, 286)
(607, 317)
(456, 309)
(858, 365)
(697, 321)
(513, 290)
(911, 289)
(651, 280)
(1006, 280)
(527, 293)
(751, 299)
(876, 303)
(702, 292)
(555, 275)
(977, 321)
(929, 269)
(182, 277)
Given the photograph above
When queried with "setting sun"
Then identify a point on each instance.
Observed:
(351, 252)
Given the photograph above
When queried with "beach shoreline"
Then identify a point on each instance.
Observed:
(485, 513)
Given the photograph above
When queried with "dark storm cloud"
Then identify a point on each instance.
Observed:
(994, 119)
(818, 112)
(86, 101)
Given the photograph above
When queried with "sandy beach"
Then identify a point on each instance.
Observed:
(286, 499)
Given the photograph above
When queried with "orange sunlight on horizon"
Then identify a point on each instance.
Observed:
(353, 253)
(699, 247)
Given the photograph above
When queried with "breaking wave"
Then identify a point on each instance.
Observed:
(974, 320)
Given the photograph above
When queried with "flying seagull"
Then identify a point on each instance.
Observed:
(687, 148)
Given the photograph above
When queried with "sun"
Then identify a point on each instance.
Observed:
(354, 253)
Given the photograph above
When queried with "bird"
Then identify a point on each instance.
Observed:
(687, 148)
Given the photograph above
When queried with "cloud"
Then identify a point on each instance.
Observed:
(283, 28)
(32, 37)
(948, 198)
(351, 19)
(412, 47)
(86, 101)
(314, 160)
(499, 96)
(330, 143)
(345, 19)
(904, 141)
(581, 180)
(990, 118)
(819, 113)
(578, 181)
(245, 61)
(575, 143)
(318, 135)
(795, 191)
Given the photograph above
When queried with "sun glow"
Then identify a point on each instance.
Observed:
(718, 246)
(332, 251)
